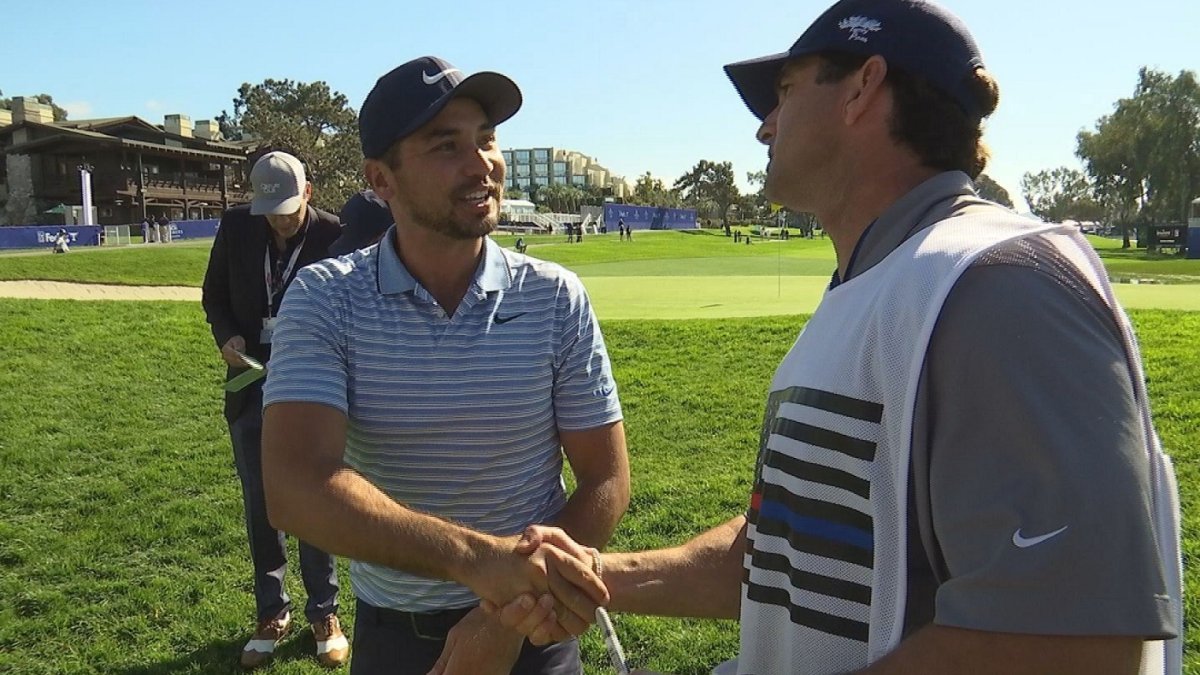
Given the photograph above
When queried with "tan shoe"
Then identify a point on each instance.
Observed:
(332, 646)
(267, 635)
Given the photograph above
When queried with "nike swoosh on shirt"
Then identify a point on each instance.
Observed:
(505, 319)
(433, 79)
(1023, 542)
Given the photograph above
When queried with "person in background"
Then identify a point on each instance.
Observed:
(257, 252)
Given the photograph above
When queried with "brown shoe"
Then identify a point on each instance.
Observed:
(267, 635)
(332, 647)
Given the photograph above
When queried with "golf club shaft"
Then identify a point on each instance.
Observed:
(616, 654)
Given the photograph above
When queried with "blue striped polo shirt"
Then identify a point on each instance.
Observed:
(456, 416)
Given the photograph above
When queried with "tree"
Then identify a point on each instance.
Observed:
(59, 113)
(1144, 158)
(1060, 194)
(709, 184)
(309, 120)
(560, 198)
(992, 191)
(650, 191)
(595, 195)
(762, 205)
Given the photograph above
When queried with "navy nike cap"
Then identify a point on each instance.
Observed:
(919, 37)
(415, 92)
(365, 217)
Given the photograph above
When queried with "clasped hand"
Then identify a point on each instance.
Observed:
(544, 586)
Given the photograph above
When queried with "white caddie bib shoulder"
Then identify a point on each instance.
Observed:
(825, 581)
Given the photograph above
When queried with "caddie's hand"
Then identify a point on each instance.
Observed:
(478, 645)
(229, 351)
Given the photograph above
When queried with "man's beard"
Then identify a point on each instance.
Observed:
(444, 221)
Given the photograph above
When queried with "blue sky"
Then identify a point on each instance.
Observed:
(636, 83)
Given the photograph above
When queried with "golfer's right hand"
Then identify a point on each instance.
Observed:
(522, 568)
(230, 350)
(534, 616)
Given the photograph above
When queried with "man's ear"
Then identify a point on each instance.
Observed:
(379, 178)
(307, 191)
(867, 90)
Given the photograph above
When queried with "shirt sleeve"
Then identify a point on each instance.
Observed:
(215, 295)
(585, 393)
(1038, 477)
(308, 352)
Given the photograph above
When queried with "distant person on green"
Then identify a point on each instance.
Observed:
(957, 470)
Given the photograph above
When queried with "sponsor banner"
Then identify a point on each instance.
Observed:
(42, 236)
(649, 217)
(194, 229)
(39, 236)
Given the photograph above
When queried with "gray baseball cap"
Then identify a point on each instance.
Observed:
(278, 182)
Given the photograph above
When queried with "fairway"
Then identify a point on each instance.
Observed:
(662, 275)
(122, 547)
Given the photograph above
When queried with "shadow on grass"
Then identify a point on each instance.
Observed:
(221, 656)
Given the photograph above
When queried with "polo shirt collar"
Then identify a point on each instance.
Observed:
(921, 207)
(492, 274)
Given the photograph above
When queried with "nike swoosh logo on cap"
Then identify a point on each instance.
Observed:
(1023, 542)
(433, 79)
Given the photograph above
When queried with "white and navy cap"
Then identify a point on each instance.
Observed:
(917, 36)
(278, 182)
(414, 93)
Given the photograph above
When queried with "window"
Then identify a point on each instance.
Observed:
(522, 156)
(542, 181)
(522, 170)
(541, 170)
(560, 168)
(541, 155)
(508, 156)
(522, 183)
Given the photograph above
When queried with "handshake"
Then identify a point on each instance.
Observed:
(542, 584)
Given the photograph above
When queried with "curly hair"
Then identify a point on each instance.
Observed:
(926, 119)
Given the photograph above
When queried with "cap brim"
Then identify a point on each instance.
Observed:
(499, 96)
(756, 80)
(275, 207)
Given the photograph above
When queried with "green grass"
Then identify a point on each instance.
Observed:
(178, 264)
(690, 253)
(121, 541)
(122, 548)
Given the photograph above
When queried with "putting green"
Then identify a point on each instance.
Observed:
(704, 297)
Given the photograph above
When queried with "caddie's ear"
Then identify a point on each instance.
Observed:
(866, 89)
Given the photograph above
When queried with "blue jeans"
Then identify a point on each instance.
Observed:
(268, 546)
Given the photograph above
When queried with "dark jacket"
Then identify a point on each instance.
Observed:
(235, 292)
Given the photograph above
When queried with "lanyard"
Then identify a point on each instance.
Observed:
(287, 273)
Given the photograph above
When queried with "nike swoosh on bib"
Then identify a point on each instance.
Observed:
(433, 79)
(1023, 542)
